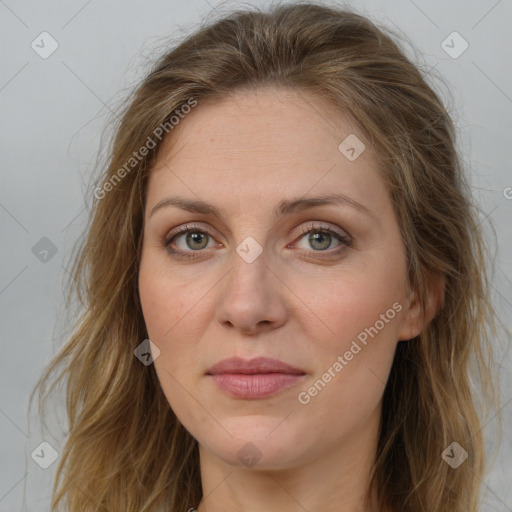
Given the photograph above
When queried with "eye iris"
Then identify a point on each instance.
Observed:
(319, 236)
(195, 236)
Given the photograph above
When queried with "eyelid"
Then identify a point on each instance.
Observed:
(321, 226)
(312, 225)
(184, 228)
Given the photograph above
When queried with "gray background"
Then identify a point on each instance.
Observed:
(53, 114)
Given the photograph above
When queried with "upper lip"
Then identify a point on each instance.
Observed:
(252, 366)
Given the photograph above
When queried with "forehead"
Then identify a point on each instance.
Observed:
(264, 145)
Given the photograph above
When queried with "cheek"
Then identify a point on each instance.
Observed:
(352, 303)
(353, 360)
(165, 305)
(360, 313)
(163, 308)
(175, 314)
(164, 300)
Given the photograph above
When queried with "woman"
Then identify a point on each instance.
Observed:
(283, 284)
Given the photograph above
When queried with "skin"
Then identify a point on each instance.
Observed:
(244, 155)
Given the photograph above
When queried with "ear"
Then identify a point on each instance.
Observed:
(413, 321)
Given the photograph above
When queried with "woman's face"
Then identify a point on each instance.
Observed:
(319, 286)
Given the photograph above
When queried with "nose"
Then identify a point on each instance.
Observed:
(251, 297)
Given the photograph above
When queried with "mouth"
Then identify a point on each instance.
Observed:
(254, 378)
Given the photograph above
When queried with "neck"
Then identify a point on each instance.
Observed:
(335, 481)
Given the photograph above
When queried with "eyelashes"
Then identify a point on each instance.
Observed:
(316, 233)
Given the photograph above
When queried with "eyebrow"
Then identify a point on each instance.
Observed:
(285, 207)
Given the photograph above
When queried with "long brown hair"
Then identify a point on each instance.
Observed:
(126, 450)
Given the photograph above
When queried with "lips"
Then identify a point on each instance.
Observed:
(254, 378)
(253, 366)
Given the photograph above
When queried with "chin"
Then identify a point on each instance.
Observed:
(257, 444)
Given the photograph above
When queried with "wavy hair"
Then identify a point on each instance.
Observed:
(126, 450)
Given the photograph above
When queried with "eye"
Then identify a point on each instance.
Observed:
(194, 240)
(321, 238)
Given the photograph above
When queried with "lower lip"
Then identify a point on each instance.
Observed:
(258, 385)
